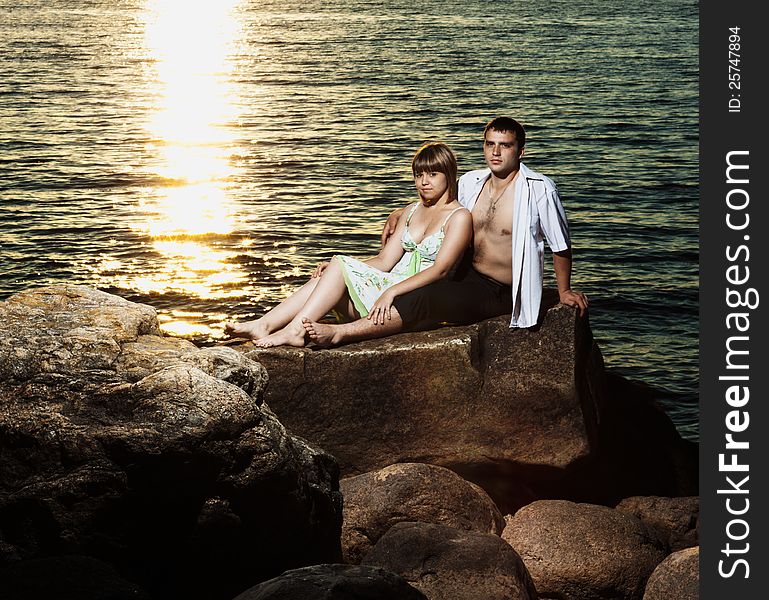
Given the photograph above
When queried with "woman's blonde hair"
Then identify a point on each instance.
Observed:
(439, 158)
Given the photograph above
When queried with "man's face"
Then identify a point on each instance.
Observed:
(502, 152)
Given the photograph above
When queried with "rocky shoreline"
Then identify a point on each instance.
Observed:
(137, 465)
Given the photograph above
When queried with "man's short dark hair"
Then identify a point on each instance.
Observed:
(507, 124)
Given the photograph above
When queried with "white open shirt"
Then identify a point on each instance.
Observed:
(538, 215)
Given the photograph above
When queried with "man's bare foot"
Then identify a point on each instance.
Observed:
(254, 330)
(292, 334)
(322, 334)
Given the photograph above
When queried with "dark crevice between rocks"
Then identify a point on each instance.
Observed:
(510, 485)
(639, 452)
(589, 378)
(478, 358)
(30, 529)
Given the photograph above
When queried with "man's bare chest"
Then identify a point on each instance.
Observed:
(493, 217)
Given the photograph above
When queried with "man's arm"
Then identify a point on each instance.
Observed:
(389, 228)
(556, 230)
(459, 234)
(568, 296)
(391, 224)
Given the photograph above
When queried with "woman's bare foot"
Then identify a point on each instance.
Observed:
(321, 334)
(292, 334)
(254, 330)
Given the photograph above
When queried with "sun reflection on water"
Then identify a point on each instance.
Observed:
(190, 44)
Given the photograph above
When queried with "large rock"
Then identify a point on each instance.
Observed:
(584, 551)
(149, 453)
(674, 520)
(334, 582)
(526, 414)
(374, 502)
(448, 564)
(491, 403)
(678, 577)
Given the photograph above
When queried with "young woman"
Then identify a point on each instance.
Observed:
(430, 238)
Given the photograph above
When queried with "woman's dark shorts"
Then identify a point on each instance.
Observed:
(468, 298)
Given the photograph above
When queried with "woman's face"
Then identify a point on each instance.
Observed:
(431, 185)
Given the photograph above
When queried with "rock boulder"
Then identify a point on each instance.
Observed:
(149, 453)
(498, 406)
(674, 520)
(66, 578)
(678, 576)
(583, 551)
(334, 582)
(525, 413)
(447, 564)
(374, 502)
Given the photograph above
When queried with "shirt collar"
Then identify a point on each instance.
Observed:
(484, 174)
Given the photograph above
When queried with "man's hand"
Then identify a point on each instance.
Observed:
(319, 269)
(390, 225)
(574, 298)
(382, 307)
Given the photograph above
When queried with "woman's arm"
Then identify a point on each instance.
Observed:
(458, 236)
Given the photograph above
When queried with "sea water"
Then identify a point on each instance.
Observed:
(203, 157)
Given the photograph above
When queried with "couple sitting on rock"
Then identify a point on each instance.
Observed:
(419, 279)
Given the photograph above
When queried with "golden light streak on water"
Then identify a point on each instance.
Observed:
(182, 328)
(191, 210)
(190, 44)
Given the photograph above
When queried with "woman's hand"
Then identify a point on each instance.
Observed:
(319, 269)
(382, 308)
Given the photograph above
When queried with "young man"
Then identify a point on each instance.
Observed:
(514, 211)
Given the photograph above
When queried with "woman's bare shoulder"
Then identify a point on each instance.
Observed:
(459, 217)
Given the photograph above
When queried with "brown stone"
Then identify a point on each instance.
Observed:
(674, 520)
(487, 401)
(374, 502)
(149, 453)
(640, 451)
(583, 551)
(678, 577)
(526, 414)
(334, 582)
(448, 564)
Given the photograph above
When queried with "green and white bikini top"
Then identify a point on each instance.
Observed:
(425, 252)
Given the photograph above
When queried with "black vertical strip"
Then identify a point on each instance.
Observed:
(733, 301)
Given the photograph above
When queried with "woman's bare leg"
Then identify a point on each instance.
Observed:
(276, 318)
(328, 293)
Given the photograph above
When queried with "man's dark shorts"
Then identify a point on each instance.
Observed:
(469, 297)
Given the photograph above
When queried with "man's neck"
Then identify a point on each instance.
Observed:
(498, 182)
